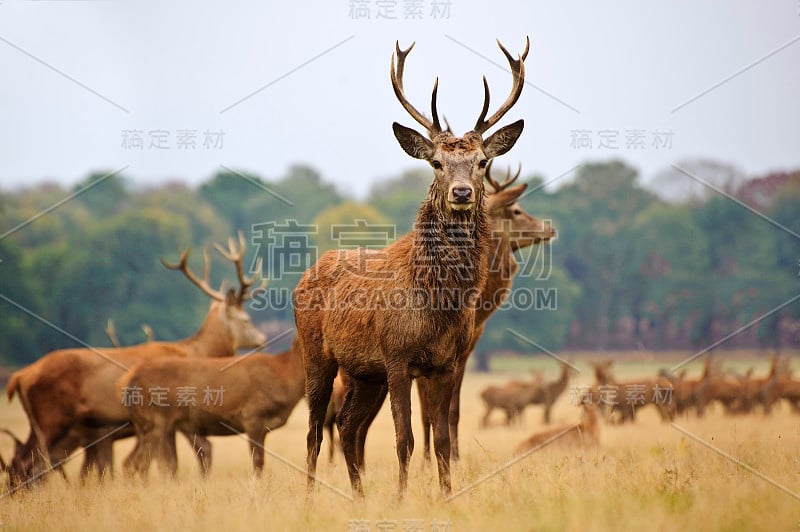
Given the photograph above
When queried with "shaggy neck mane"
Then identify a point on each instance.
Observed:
(450, 248)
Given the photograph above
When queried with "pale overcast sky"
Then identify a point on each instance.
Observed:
(291, 82)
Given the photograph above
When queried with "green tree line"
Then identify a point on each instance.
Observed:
(629, 269)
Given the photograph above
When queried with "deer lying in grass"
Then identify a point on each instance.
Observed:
(511, 398)
(389, 316)
(581, 435)
(625, 398)
(70, 395)
(252, 395)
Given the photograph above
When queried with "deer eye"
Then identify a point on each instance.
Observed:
(483, 163)
(436, 164)
(517, 212)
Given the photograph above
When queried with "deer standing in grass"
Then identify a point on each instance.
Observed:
(70, 395)
(254, 395)
(389, 316)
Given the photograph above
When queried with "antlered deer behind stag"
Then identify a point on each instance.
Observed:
(389, 316)
(70, 395)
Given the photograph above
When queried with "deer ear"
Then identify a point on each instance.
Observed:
(507, 197)
(412, 142)
(503, 139)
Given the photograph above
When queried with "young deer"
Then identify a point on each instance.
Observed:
(407, 311)
(70, 395)
(257, 394)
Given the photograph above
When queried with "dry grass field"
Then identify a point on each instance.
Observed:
(649, 475)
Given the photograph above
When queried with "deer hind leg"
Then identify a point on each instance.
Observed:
(440, 393)
(355, 416)
(424, 410)
(363, 428)
(319, 385)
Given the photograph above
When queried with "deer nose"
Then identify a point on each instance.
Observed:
(462, 194)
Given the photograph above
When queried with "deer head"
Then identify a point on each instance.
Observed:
(459, 163)
(509, 218)
(228, 304)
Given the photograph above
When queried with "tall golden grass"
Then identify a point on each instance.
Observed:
(646, 475)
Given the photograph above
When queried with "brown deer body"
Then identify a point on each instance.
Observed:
(429, 278)
(258, 393)
(510, 398)
(70, 395)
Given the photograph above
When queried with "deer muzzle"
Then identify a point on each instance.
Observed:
(461, 197)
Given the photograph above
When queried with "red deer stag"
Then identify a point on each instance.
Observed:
(420, 291)
(251, 395)
(70, 395)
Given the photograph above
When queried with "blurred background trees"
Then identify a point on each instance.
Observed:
(635, 266)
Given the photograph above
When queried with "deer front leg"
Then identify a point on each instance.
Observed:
(455, 409)
(440, 392)
(256, 436)
(377, 403)
(424, 411)
(355, 417)
(400, 398)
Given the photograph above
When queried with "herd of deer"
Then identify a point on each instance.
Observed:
(618, 402)
(458, 261)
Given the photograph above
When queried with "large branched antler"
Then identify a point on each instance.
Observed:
(518, 71)
(507, 182)
(202, 283)
(431, 125)
(235, 254)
